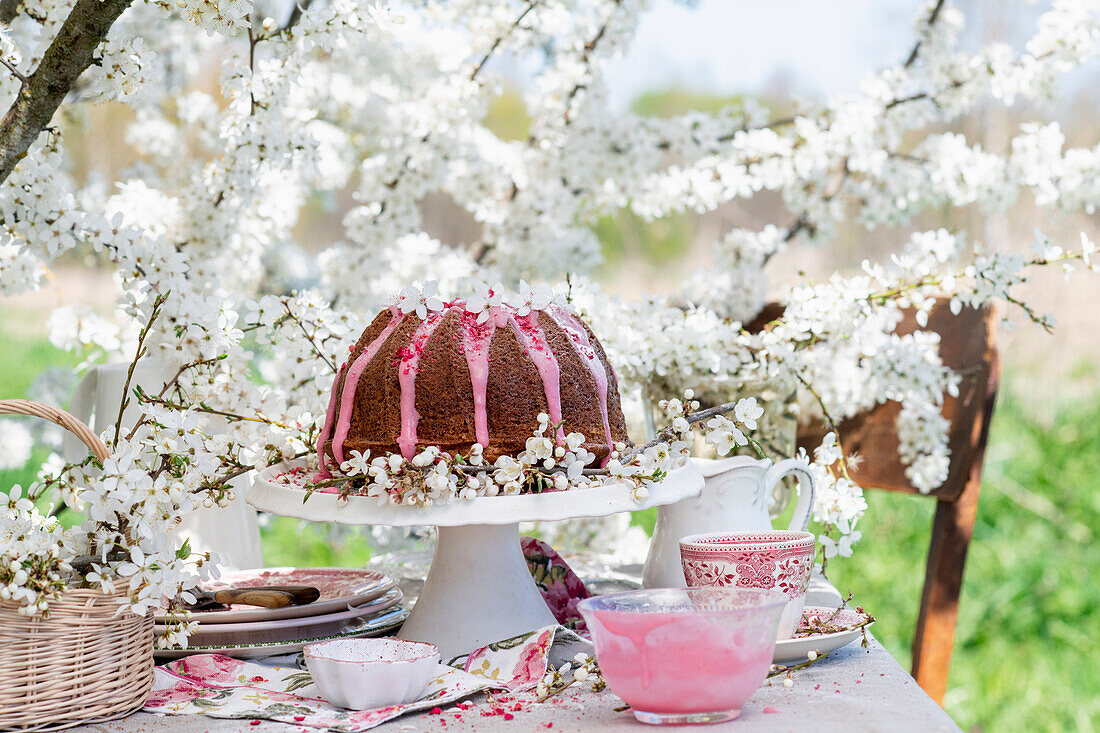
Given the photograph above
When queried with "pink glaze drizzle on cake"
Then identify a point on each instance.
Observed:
(475, 347)
(326, 431)
(583, 346)
(351, 382)
(474, 340)
(533, 340)
(407, 368)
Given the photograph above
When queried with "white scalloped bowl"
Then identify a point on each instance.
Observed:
(363, 674)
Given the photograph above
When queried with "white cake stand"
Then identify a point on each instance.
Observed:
(479, 588)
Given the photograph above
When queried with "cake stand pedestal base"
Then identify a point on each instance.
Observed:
(479, 590)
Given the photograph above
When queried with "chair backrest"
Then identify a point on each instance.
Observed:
(967, 346)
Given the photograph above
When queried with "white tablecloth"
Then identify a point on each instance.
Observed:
(855, 689)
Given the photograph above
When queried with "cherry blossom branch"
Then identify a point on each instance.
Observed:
(310, 338)
(41, 93)
(936, 281)
(666, 433)
(836, 612)
(500, 39)
(242, 469)
(253, 39)
(802, 221)
(586, 59)
(392, 183)
(932, 17)
(13, 69)
(207, 410)
(781, 669)
(140, 352)
(167, 386)
(295, 15)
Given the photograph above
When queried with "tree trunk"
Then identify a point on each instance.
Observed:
(43, 91)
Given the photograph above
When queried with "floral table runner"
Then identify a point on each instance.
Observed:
(223, 687)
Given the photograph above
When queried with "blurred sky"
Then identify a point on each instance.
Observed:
(805, 48)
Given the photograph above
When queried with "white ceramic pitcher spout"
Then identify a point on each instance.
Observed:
(734, 499)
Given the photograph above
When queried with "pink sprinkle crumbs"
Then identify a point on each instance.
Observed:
(817, 687)
(299, 718)
(508, 716)
(771, 710)
(254, 722)
(437, 711)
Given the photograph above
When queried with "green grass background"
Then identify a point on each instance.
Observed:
(1028, 626)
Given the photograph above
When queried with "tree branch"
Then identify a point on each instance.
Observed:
(14, 70)
(500, 39)
(43, 91)
(930, 22)
(296, 14)
(586, 59)
(8, 10)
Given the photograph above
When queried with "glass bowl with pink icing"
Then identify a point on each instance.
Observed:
(684, 655)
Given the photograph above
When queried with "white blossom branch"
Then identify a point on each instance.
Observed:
(41, 93)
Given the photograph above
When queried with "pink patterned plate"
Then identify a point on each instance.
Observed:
(792, 651)
(340, 588)
(383, 624)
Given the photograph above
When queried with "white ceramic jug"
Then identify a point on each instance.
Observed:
(734, 499)
(232, 531)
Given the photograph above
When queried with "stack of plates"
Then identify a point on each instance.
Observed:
(353, 603)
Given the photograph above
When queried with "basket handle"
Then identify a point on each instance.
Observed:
(59, 417)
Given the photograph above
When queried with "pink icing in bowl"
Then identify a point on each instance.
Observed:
(686, 655)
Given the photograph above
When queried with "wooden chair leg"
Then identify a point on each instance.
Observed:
(952, 529)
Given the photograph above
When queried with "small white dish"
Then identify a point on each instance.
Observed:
(363, 674)
(788, 651)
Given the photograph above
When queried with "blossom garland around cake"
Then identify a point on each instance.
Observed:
(433, 476)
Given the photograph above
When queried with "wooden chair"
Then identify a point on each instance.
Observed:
(967, 345)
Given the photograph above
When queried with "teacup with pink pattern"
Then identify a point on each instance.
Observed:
(772, 559)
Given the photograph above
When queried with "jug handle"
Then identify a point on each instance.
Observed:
(806, 489)
(80, 406)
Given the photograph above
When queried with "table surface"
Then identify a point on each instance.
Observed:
(854, 689)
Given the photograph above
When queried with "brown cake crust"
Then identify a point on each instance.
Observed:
(515, 391)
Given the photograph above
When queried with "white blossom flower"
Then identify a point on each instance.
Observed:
(748, 412)
(724, 435)
(540, 448)
(420, 300)
(508, 470)
(484, 300)
(528, 298)
(357, 463)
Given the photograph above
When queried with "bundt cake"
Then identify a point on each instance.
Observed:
(455, 378)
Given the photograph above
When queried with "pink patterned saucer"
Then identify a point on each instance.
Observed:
(792, 651)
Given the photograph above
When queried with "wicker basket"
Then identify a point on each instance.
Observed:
(82, 663)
